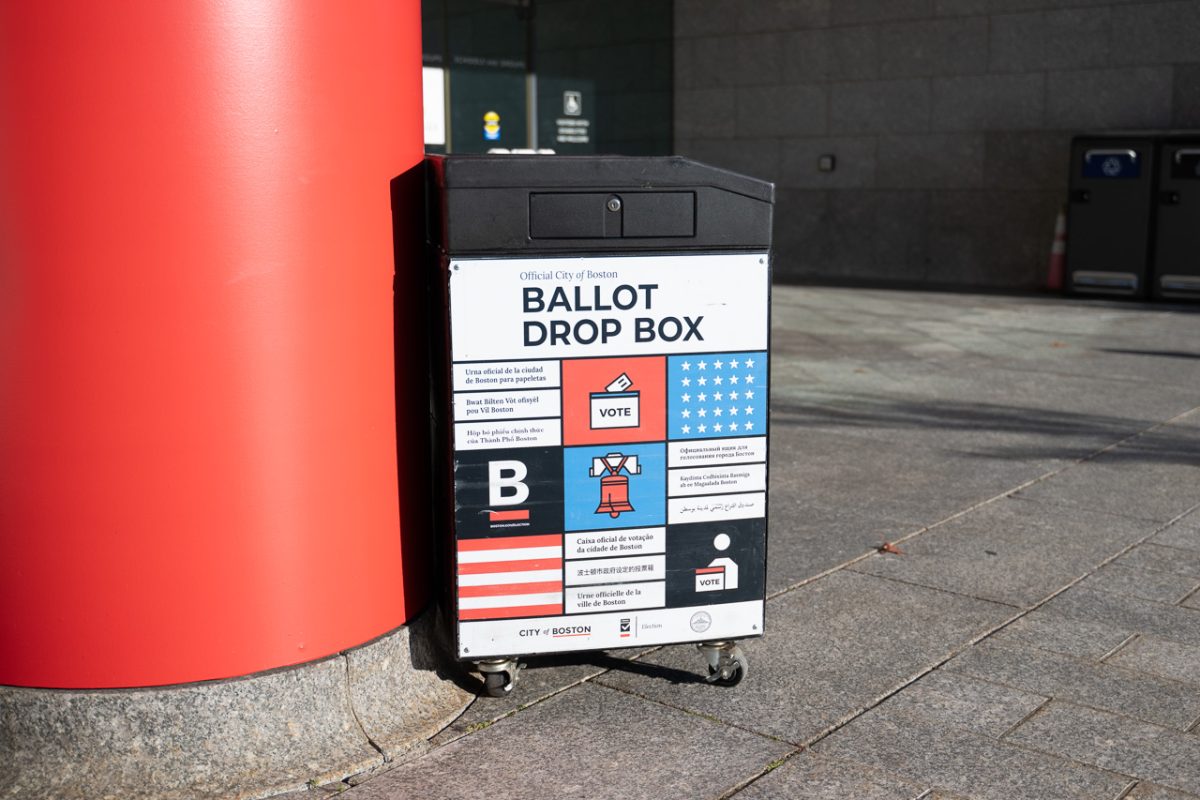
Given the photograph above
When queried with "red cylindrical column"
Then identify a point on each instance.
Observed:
(198, 440)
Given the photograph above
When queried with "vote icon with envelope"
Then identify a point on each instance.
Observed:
(616, 406)
(614, 400)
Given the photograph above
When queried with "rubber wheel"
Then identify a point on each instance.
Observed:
(734, 678)
(497, 684)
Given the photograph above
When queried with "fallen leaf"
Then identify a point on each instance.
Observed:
(888, 547)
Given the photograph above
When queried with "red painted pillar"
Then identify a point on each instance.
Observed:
(198, 439)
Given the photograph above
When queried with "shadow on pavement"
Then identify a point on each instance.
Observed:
(1056, 426)
(1157, 353)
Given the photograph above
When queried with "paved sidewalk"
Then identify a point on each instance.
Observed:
(1038, 463)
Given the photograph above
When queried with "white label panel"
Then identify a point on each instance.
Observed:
(496, 435)
(609, 630)
(623, 597)
(502, 578)
(717, 451)
(615, 570)
(508, 601)
(707, 509)
(595, 306)
(721, 479)
(586, 391)
(506, 405)
(615, 410)
(433, 95)
(507, 375)
(632, 542)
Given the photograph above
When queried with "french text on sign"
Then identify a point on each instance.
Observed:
(682, 510)
(497, 435)
(507, 375)
(470, 406)
(721, 479)
(746, 450)
(622, 597)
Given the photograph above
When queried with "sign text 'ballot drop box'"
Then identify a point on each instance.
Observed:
(602, 405)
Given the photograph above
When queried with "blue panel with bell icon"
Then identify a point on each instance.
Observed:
(614, 486)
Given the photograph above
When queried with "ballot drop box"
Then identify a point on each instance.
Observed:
(1176, 272)
(1110, 214)
(601, 405)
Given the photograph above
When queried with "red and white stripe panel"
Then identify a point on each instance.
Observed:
(513, 576)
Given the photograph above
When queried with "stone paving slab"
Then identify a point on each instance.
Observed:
(1064, 388)
(543, 676)
(973, 324)
(1160, 558)
(813, 778)
(1148, 791)
(1126, 481)
(1046, 631)
(590, 742)
(1184, 534)
(956, 760)
(1108, 741)
(964, 702)
(1010, 551)
(1176, 440)
(1103, 686)
(871, 491)
(893, 411)
(1121, 577)
(1051, 335)
(1180, 624)
(963, 417)
(1064, 411)
(807, 536)
(1179, 662)
(831, 648)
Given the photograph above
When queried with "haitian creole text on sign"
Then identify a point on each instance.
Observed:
(610, 449)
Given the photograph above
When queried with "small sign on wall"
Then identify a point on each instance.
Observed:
(433, 92)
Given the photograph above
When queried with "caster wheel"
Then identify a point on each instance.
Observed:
(736, 673)
(497, 684)
(730, 668)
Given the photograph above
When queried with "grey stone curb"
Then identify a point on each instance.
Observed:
(241, 739)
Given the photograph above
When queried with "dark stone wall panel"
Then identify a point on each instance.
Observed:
(950, 120)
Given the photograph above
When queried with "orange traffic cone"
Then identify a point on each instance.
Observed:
(1058, 253)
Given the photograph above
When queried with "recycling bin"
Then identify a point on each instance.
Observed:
(1176, 272)
(600, 405)
(1109, 214)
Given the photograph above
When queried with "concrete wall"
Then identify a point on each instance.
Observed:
(950, 120)
(622, 50)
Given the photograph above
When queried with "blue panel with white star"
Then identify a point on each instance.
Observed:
(713, 395)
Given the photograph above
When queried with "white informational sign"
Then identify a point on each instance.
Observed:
(553, 308)
(433, 92)
(610, 450)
